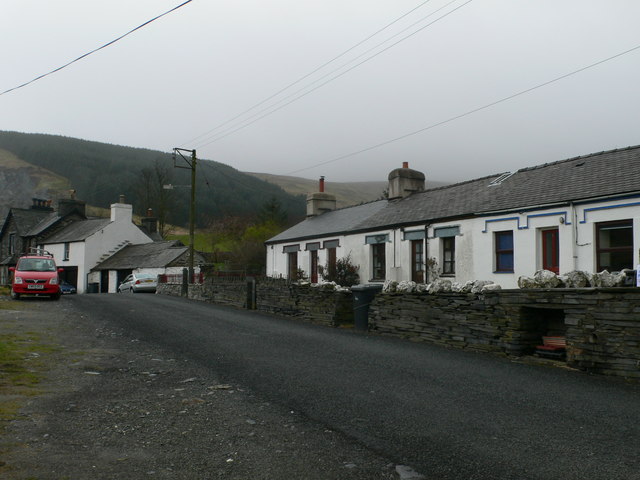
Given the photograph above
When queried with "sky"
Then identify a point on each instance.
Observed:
(371, 83)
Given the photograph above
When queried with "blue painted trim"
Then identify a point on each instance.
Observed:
(563, 214)
(487, 222)
(606, 207)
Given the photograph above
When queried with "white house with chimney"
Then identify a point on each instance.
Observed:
(582, 213)
(83, 244)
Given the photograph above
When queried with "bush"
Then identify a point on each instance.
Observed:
(344, 274)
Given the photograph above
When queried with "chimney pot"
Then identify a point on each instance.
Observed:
(405, 164)
(149, 212)
(321, 186)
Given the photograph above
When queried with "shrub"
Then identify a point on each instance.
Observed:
(344, 274)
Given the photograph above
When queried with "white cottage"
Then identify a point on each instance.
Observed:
(577, 214)
(81, 245)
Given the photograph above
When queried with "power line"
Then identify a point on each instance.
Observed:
(96, 49)
(317, 69)
(240, 126)
(467, 113)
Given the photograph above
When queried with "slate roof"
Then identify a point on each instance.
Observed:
(25, 219)
(43, 224)
(604, 174)
(146, 255)
(331, 223)
(78, 231)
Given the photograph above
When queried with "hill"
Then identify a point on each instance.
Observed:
(22, 181)
(47, 165)
(347, 193)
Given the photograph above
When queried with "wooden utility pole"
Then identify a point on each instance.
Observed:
(191, 162)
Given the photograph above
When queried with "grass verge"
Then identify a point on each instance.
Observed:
(23, 362)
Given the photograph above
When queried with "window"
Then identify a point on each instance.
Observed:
(378, 264)
(614, 244)
(550, 250)
(66, 251)
(504, 251)
(448, 255)
(417, 261)
(12, 243)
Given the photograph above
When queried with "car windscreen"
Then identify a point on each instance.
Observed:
(36, 265)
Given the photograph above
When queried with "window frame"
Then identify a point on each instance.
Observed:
(448, 266)
(499, 252)
(599, 226)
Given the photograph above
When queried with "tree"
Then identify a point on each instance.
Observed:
(272, 212)
(150, 193)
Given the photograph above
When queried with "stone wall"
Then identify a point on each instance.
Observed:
(276, 296)
(601, 326)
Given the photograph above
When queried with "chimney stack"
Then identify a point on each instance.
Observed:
(320, 202)
(150, 223)
(68, 205)
(405, 181)
(41, 204)
(121, 211)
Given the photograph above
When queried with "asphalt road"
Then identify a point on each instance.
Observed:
(448, 414)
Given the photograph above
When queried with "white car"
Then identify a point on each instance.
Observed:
(138, 282)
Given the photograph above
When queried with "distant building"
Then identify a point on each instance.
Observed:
(157, 258)
(77, 243)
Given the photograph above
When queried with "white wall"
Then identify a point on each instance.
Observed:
(474, 246)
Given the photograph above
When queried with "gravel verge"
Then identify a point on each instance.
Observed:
(115, 407)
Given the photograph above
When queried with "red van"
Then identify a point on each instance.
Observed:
(36, 274)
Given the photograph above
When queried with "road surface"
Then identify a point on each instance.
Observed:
(448, 414)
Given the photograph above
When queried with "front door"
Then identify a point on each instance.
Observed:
(417, 261)
(314, 266)
(550, 250)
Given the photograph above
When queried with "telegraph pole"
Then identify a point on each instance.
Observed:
(191, 162)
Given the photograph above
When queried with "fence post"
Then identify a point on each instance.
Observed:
(251, 293)
(185, 282)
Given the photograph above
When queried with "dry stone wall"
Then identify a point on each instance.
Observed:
(313, 304)
(601, 326)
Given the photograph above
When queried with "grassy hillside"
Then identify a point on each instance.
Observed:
(21, 181)
(101, 172)
(347, 193)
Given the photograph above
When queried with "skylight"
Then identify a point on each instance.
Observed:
(500, 179)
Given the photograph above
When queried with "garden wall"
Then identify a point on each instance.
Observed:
(277, 296)
(601, 326)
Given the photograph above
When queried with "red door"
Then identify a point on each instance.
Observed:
(314, 266)
(550, 250)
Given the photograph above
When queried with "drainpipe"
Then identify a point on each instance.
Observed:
(574, 235)
(426, 254)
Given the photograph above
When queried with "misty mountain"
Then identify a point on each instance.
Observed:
(47, 166)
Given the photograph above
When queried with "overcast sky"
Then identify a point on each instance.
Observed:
(173, 82)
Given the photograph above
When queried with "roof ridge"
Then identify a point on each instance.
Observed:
(579, 157)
